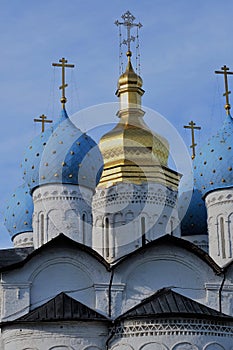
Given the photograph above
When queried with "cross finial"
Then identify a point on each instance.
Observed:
(192, 127)
(63, 86)
(43, 119)
(129, 24)
(225, 72)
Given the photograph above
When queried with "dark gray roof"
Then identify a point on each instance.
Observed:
(167, 303)
(17, 257)
(13, 256)
(176, 242)
(62, 308)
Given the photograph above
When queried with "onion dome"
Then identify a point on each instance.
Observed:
(214, 161)
(131, 151)
(194, 221)
(129, 79)
(32, 158)
(68, 156)
(18, 212)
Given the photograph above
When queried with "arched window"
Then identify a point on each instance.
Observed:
(143, 230)
(222, 237)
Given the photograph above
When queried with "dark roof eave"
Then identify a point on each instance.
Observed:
(18, 322)
(177, 242)
(177, 316)
(59, 241)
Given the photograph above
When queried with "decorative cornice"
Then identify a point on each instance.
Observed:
(170, 327)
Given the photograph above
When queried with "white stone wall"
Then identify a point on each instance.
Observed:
(53, 271)
(24, 239)
(60, 208)
(177, 334)
(15, 298)
(219, 205)
(164, 265)
(55, 336)
(148, 334)
(127, 216)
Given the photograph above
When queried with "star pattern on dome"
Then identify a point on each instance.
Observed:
(18, 212)
(55, 156)
(213, 164)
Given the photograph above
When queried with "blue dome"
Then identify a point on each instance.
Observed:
(32, 158)
(65, 155)
(18, 212)
(213, 163)
(195, 219)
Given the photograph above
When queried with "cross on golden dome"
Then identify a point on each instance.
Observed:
(129, 24)
(63, 65)
(225, 72)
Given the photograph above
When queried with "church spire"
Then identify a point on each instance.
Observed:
(132, 153)
(129, 84)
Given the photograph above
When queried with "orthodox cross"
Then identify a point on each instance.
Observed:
(224, 71)
(42, 120)
(192, 127)
(63, 65)
(128, 23)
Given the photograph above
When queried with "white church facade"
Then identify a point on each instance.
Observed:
(105, 256)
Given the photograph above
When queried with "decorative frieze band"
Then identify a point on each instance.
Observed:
(173, 327)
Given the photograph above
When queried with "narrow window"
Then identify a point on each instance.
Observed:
(172, 227)
(143, 230)
(42, 234)
(107, 237)
(84, 227)
(223, 243)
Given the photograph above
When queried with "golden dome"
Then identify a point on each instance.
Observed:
(129, 76)
(131, 151)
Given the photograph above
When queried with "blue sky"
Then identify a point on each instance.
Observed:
(182, 43)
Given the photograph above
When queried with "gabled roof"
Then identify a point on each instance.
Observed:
(227, 266)
(178, 242)
(62, 308)
(14, 258)
(167, 303)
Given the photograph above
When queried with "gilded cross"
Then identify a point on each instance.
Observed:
(129, 24)
(63, 86)
(42, 120)
(192, 127)
(224, 71)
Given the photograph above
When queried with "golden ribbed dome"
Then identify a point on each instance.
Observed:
(133, 142)
(131, 151)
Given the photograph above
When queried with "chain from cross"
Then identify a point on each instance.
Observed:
(63, 86)
(225, 72)
(128, 22)
(43, 119)
(192, 127)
